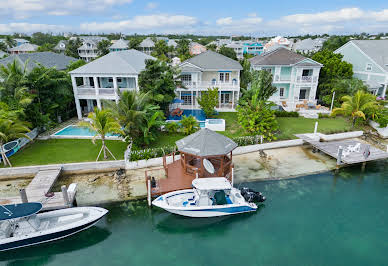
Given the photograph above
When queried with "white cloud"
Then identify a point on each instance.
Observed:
(152, 5)
(21, 9)
(224, 21)
(30, 28)
(139, 23)
(238, 26)
(344, 14)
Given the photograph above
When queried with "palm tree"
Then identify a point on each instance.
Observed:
(357, 106)
(10, 42)
(102, 122)
(155, 121)
(132, 111)
(10, 129)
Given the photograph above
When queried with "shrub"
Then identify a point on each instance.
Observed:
(320, 116)
(247, 140)
(208, 101)
(189, 125)
(150, 153)
(286, 114)
(172, 127)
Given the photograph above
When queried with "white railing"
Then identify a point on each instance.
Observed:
(281, 78)
(307, 79)
(86, 91)
(193, 84)
(106, 91)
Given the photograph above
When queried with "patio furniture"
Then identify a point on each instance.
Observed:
(284, 104)
(311, 106)
(318, 107)
(177, 112)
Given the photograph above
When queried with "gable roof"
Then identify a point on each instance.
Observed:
(120, 62)
(47, 59)
(58, 46)
(2, 54)
(120, 44)
(25, 47)
(377, 50)
(210, 60)
(281, 56)
(147, 43)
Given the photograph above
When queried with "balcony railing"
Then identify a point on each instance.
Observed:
(307, 79)
(84, 90)
(281, 78)
(193, 84)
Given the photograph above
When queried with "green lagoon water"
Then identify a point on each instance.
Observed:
(323, 219)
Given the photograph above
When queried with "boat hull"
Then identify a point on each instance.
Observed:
(40, 238)
(204, 213)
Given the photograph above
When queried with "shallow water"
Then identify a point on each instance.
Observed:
(323, 219)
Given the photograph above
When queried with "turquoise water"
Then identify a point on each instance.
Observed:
(323, 219)
(78, 131)
(198, 114)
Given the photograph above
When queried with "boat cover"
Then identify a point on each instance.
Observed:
(13, 211)
(211, 183)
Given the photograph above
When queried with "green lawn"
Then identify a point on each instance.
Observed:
(67, 150)
(55, 151)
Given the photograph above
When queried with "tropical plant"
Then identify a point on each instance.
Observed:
(208, 101)
(189, 124)
(103, 47)
(160, 80)
(102, 123)
(172, 127)
(229, 52)
(10, 42)
(10, 129)
(343, 87)
(245, 75)
(161, 50)
(183, 49)
(256, 117)
(135, 42)
(153, 123)
(261, 86)
(75, 64)
(3, 47)
(72, 48)
(357, 106)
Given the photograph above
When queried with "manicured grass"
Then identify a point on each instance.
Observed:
(68, 150)
(55, 151)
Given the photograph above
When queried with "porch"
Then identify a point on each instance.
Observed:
(227, 99)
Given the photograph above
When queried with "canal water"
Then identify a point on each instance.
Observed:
(324, 219)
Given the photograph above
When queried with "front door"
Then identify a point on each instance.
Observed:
(302, 94)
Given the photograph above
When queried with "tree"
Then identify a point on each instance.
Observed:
(134, 111)
(161, 80)
(256, 117)
(261, 84)
(189, 124)
(72, 48)
(335, 42)
(155, 121)
(41, 38)
(343, 87)
(161, 50)
(183, 49)
(103, 47)
(212, 47)
(3, 47)
(10, 42)
(102, 123)
(208, 101)
(334, 69)
(245, 75)
(134, 43)
(47, 47)
(357, 106)
(229, 52)
(10, 129)
(75, 64)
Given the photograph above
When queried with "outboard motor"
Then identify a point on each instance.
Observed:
(251, 195)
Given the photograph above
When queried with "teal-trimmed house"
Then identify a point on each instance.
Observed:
(253, 48)
(209, 70)
(295, 76)
(119, 45)
(370, 63)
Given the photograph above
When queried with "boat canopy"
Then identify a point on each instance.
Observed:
(14, 211)
(211, 183)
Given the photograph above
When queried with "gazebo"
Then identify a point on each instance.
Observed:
(207, 153)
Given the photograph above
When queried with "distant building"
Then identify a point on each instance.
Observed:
(147, 46)
(23, 49)
(175, 61)
(46, 59)
(172, 43)
(196, 48)
(238, 49)
(61, 46)
(295, 76)
(100, 79)
(308, 46)
(277, 42)
(253, 48)
(119, 45)
(370, 63)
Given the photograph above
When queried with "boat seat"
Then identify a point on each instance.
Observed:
(228, 200)
(70, 217)
(6, 228)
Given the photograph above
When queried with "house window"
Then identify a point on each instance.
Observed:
(186, 99)
(281, 92)
(186, 78)
(306, 72)
(110, 80)
(268, 70)
(224, 77)
(368, 67)
(118, 79)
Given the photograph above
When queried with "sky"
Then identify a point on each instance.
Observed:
(205, 17)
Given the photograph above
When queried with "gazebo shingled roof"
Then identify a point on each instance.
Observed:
(206, 142)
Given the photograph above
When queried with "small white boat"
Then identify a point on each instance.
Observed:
(21, 226)
(210, 197)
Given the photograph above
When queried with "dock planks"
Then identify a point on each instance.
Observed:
(331, 149)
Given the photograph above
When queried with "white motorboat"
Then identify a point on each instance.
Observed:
(210, 197)
(21, 226)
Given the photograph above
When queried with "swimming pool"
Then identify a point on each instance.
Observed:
(198, 114)
(74, 131)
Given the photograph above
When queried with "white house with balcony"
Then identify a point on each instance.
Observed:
(102, 78)
(295, 76)
(210, 70)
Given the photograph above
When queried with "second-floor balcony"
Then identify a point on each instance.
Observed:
(91, 91)
(307, 79)
(211, 84)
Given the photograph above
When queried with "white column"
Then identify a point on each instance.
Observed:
(95, 80)
(232, 99)
(192, 100)
(115, 88)
(219, 99)
(99, 104)
(136, 84)
(384, 90)
(77, 103)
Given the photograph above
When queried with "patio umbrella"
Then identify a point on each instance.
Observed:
(176, 100)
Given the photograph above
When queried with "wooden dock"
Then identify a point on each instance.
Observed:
(38, 190)
(331, 148)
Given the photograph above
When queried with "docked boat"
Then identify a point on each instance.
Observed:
(209, 197)
(21, 225)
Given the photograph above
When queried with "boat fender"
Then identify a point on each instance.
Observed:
(153, 182)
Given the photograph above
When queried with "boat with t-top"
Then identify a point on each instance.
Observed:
(209, 197)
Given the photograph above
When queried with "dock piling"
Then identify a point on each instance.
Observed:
(149, 192)
(65, 195)
(261, 139)
(339, 158)
(23, 195)
(232, 174)
(316, 127)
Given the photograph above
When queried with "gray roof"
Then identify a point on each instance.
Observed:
(25, 47)
(206, 142)
(147, 43)
(375, 49)
(172, 43)
(2, 54)
(281, 56)
(210, 60)
(120, 44)
(120, 62)
(307, 44)
(58, 46)
(47, 59)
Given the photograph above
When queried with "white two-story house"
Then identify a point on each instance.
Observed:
(102, 78)
(209, 70)
(295, 76)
